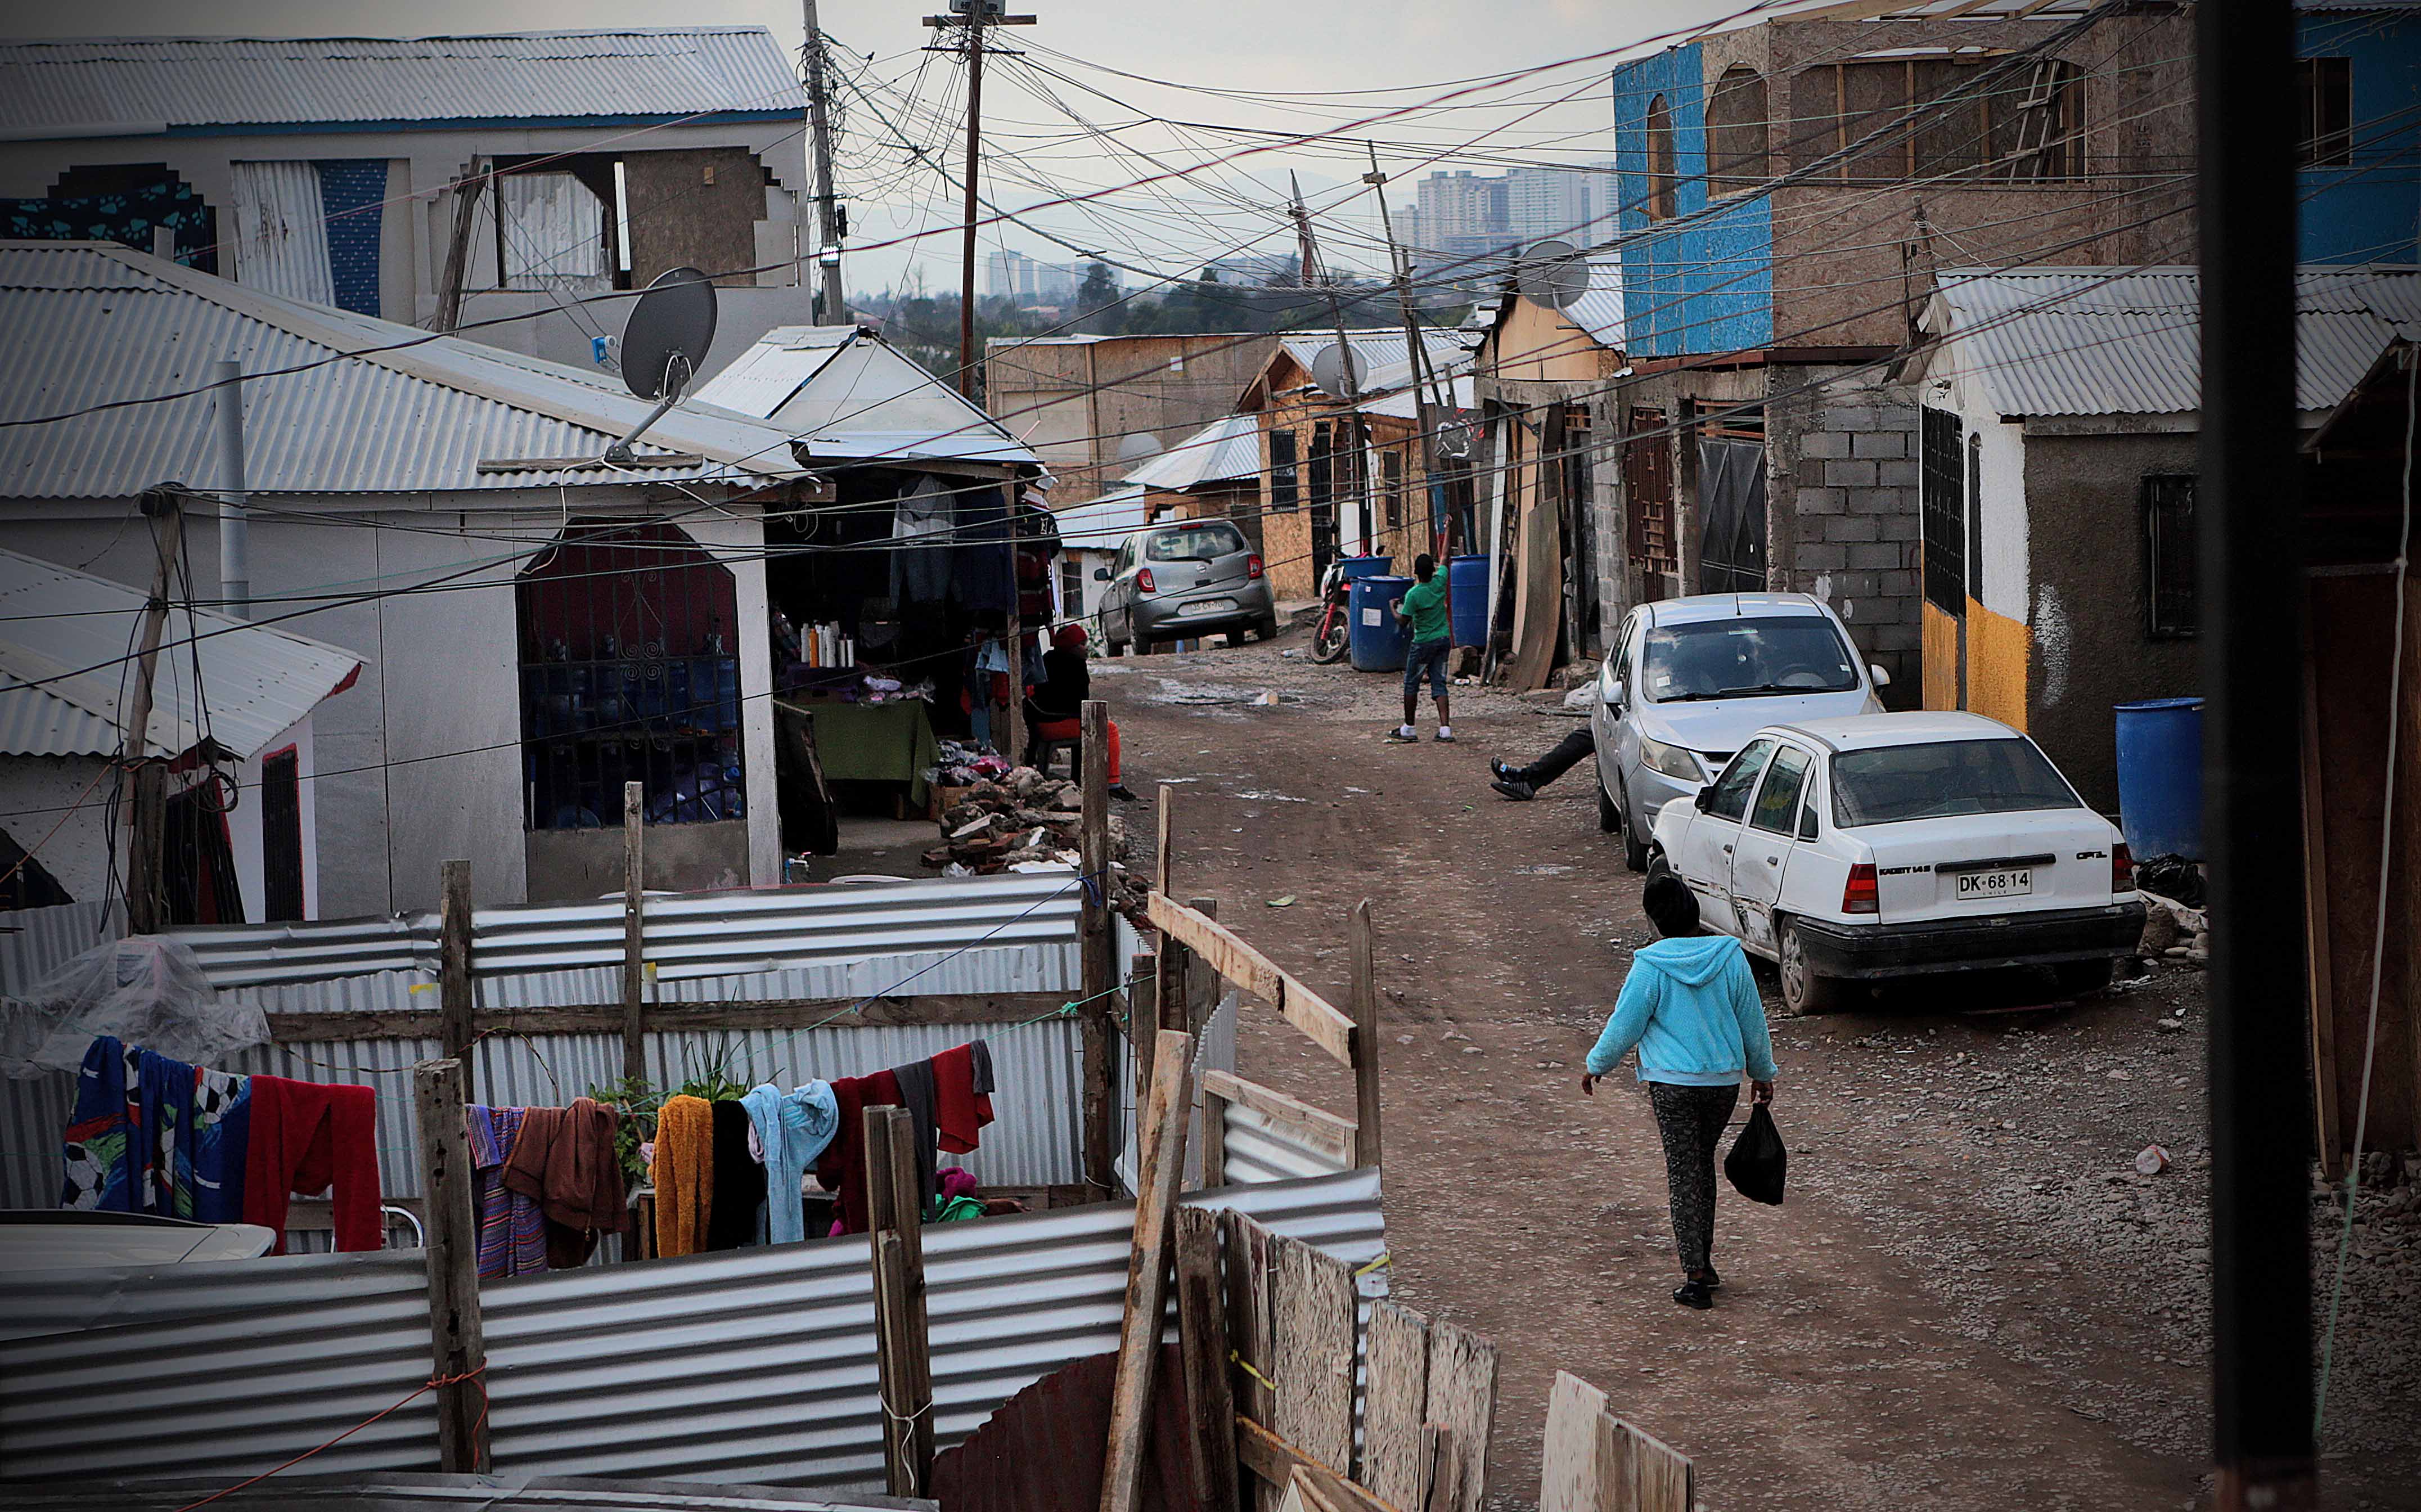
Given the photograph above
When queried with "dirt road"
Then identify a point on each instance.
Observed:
(1971, 1299)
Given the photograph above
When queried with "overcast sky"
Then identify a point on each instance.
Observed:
(1321, 61)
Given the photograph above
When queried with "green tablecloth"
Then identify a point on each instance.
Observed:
(871, 742)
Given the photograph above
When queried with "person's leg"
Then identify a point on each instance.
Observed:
(1689, 1120)
(1411, 694)
(1113, 752)
(1568, 752)
(1715, 1105)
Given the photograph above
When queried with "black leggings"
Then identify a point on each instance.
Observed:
(1568, 753)
(1692, 1121)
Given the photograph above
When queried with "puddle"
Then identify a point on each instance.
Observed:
(1271, 798)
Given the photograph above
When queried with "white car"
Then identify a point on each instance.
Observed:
(1885, 846)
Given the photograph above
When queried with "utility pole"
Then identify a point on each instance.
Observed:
(1347, 378)
(978, 15)
(469, 191)
(827, 211)
(147, 821)
(1416, 349)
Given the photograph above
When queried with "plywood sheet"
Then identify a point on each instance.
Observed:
(1395, 1403)
(1462, 1402)
(1312, 1306)
(1567, 1460)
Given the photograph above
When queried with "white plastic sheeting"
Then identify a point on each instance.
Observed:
(553, 232)
(281, 231)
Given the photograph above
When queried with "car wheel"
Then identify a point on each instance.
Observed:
(2080, 977)
(1802, 991)
(1635, 844)
(1609, 817)
(1266, 628)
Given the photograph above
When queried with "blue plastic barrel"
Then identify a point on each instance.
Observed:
(1378, 639)
(2159, 777)
(1366, 567)
(1466, 599)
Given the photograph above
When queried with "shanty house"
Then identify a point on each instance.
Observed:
(230, 714)
(2059, 408)
(534, 625)
(1096, 406)
(355, 171)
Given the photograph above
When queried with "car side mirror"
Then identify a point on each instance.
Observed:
(1883, 679)
(1101, 574)
(1613, 694)
(1704, 796)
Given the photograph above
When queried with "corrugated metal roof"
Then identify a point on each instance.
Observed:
(1101, 524)
(2094, 340)
(1224, 450)
(1400, 403)
(369, 406)
(846, 394)
(1386, 354)
(402, 1491)
(753, 1365)
(1599, 310)
(147, 86)
(254, 681)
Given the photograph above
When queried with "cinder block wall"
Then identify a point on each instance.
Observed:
(1841, 509)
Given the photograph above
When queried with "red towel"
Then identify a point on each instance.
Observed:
(958, 1110)
(842, 1168)
(307, 1138)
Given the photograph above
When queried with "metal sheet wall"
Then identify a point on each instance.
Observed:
(753, 1365)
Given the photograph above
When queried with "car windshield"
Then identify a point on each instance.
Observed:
(1192, 543)
(1920, 782)
(1745, 658)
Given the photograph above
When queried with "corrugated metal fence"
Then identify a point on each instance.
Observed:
(751, 1365)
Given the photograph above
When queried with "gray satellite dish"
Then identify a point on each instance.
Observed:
(1554, 273)
(1138, 449)
(662, 344)
(1328, 368)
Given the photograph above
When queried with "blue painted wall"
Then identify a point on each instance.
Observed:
(1708, 285)
(2370, 211)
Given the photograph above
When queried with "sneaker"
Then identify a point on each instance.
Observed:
(1496, 767)
(1521, 792)
(1445, 733)
(1403, 732)
(1122, 793)
(1713, 1282)
(1694, 1294)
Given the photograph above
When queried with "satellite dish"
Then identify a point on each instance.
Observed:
(1554, 273)
(669, 330)
(1138, 447)
(1328, 368)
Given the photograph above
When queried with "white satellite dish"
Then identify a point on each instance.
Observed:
(1328, 368)
(1554, 273)
(1138, 447)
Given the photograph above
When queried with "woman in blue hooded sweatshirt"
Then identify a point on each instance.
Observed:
(1691, 1008)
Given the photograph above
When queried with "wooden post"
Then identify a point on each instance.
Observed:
(1201, 985)
(1167, 828)
(634, 1012)
(1094, 945)
(1202, 1336)
(457, 1344)
(456, 1012)
(1214, 1139)
(147, 903)
(1144, 996)
(1160, 1163)
(468, 190)
(1366, 1040)
(895, 1210)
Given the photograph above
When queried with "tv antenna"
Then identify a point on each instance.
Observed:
(667, 338)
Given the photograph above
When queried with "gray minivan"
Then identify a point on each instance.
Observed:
(1183, 579)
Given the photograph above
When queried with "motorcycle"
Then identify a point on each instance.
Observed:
(1334, 632)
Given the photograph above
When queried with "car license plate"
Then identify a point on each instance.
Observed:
(1988, 886)
(1207, 606)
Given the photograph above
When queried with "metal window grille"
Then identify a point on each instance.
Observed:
(2324, 113)
(1282, 469)
(629, 672)
(1941, 499)
(2172, 605)
(1976, 518)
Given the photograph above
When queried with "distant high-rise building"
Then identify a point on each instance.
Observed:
(1030, 283)
(1569, 204)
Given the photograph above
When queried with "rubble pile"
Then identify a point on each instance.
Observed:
(1024, 820)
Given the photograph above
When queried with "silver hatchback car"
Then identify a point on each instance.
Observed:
(1183, 579)
(1691, 679)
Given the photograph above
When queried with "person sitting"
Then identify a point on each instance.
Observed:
(1055, 708)
(1522, 784)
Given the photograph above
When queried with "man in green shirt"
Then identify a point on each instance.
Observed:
(1423, 608)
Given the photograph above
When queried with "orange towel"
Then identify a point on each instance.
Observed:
(684, 1174)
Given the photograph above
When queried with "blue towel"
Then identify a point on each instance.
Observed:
(792, 1128)
(101, 1137)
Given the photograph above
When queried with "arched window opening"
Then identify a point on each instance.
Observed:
(1736, 138)
(1663, 177)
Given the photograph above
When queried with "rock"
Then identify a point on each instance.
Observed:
(2160, 933)
(2177, 953)
(2168, 1026)
(2152, 1160)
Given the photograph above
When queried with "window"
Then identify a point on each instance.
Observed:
(2169, 549)
(1391, 485)
(1779, 798)
(1663, 178)
(1940, 508)
(2324, 113)
(1736, 658)
(1736, 129)
(1996, 775)
(1193, 541)
(1282, 469)
(551, 233)
(1938, 118)
(198, 879)
(1730, 796)
(1976, 518)
(281, 835)
(629, 672)
(1321, 464)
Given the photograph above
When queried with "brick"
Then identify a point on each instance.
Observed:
(1824, 443)
(1851, 417)
(1855, 584)
(1848, 474)
(1816, 556)
(1821, 502)
(1880, 444)
(1897, 472)
(1898, 584)
(1881, 501)
(1895, 637)
(1854, 528)
(1879, 558)
(1899, 527)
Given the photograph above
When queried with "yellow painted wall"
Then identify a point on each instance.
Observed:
(1998, 649)
(1537, 344)
(1941, 653)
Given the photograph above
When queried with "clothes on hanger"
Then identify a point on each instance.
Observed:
(566, 1162)
(307, 1138)
(102, 1134)
(791, 1128)
(842, 1170)
(512, 1232)
(963, 1089)
(222, 1139)
(738, 1182)
(684, 1174)
(153, 1134)
(916, 1080)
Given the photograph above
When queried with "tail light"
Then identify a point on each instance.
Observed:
(1859, 894)
(2122, 867)
(1252, 565)
(1143, 580)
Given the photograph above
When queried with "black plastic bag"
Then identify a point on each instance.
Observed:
(1755, 1165)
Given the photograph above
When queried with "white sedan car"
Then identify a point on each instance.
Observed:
(1889, 845)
